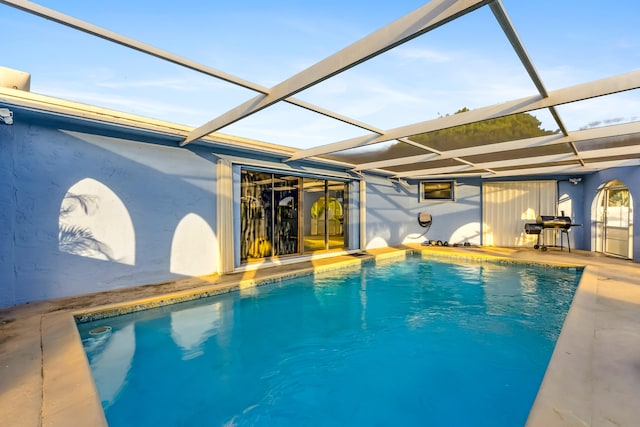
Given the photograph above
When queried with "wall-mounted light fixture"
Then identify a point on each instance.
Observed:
(6, 116)
(575, 181)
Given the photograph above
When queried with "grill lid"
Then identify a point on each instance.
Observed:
(548, 221)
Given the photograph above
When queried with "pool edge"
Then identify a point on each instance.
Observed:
(538, 410)
(559, 401)
(68, 389)
(146, 303)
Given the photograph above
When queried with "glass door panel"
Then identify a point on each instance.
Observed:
(335, 214)
(617, 226)
(286, 203)
(256, 219)
(313, 197)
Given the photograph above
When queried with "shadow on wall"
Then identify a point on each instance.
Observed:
(392, 215)
(194, 248)
(469, 232)
(76, 240)
(94, 223)
(98, 210)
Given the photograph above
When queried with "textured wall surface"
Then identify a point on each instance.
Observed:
(86, 210)
(7, 215)
(571, 201)
(630, 176)
(392, 214)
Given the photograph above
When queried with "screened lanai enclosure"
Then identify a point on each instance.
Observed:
(536, 128)
(131, 159)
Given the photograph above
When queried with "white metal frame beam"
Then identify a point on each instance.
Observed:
(539, 160)
(77, 24)
(414, 24)
(540, 141)
(443, 173)
(509, 30)
(587, 168)
(606, 86)
(86, 27)
(591, 156)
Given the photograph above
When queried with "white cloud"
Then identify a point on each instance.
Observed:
(601, 111)
(178, 84)
(152, 108)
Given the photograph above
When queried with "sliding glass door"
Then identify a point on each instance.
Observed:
(284, 215)
(325, 209)
(268, 215)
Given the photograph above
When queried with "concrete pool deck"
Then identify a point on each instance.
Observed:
(593, 378)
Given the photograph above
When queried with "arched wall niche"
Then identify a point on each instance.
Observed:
(94, 223)
(194, 248)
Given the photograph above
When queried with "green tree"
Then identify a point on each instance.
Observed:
(501, 129)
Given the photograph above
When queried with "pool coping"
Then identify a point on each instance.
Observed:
(118, 309)
(565, 398)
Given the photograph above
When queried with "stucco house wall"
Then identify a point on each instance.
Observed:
(91, 208)
(630, 176)
(393, 209)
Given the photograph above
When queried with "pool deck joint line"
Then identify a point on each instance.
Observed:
(592, 379)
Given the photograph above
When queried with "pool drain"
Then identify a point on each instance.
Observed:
(100, 330)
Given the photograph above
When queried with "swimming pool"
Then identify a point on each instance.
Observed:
(418, 342)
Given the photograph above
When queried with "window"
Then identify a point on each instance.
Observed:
(437, 190)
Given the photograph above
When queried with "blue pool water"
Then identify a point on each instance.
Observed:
(415, 343)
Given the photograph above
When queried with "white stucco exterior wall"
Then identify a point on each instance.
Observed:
(88, 209)
(393, 208)
(7, 216)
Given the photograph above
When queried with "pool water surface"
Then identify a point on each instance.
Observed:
(412, 343)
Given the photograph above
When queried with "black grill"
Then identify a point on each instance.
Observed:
(560, 223)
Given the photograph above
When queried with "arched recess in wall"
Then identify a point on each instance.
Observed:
(468, 233)
(612, 220)
(94, 223)
(194, 249)
(377, 242)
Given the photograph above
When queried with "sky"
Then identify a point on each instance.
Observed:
(466, 63)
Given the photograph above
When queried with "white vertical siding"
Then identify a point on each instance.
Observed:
(508, 206)
(225, 216)
(363, 214)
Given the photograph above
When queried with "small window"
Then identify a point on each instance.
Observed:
(437, 190)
